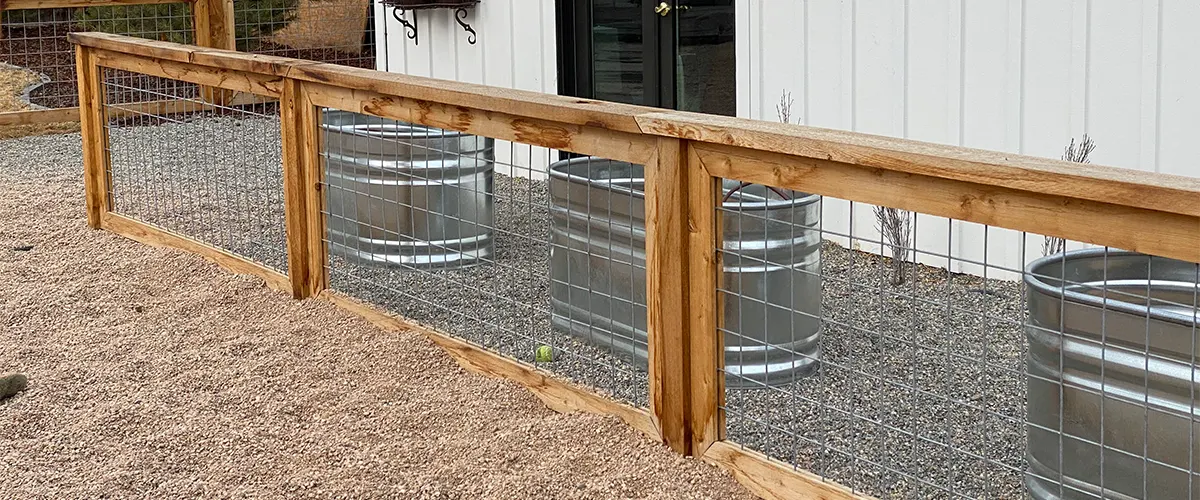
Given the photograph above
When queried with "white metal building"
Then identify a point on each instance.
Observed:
(1023, 76)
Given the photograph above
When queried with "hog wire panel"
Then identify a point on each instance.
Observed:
(496, 243)
(927, 360)
(331, 31)
(210, 173)
(34, 47)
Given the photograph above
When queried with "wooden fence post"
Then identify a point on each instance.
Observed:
(214, 24)
(302, 190)
(666, 294)
(681, 271)
(95, 138)
(705, 340)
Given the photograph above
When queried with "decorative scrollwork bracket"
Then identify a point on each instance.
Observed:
(410, 28)
(459, 16)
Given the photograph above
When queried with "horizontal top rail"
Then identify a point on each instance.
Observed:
(575, 111)
(1124, 187)
(1119, 186)
(64, 4)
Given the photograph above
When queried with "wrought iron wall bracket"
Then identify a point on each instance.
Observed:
(410, 25)
(459, 16)
(410, 28)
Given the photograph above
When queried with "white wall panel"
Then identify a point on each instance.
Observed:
(1023, 76)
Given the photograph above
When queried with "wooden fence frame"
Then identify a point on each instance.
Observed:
(212, 20)
(685, 155)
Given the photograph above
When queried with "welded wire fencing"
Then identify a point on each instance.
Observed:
(959, 362)
(742, 285)
(34, 45)
(37, 62)
(332, 31)
(209, 172)
(498, 243)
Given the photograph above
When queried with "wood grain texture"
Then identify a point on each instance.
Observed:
(295, 186)
(122, 44)
(231, 80)
(94, 136)
(1161, 192)
(214, 23)
(144, 233)
(667, 292)
(39, 116)
(771, 479)
(557, 394)
(307, 128)
(580, 139)
(561, 109)
(1138, 229)
(705, 342)
(63, 4)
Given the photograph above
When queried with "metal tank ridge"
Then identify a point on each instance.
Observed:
(1112, 376)
(771, 263)
(405, 195)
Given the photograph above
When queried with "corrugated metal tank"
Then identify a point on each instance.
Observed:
(771, 262)
(405, 195)
(1112, 353)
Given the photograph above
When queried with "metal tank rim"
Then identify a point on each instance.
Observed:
(332, 120)
(556, 171)
(1034, 280)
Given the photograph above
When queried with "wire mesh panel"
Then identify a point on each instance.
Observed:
(912, 356)
(35, 50)
(212, 173)
(500, 244)
(332, 31)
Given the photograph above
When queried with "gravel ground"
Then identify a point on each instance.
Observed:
(921, 387)
(155, 374)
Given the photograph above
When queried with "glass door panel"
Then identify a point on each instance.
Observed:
(618, 51)
(705, 69)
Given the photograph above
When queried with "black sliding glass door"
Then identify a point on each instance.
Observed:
(671, 54)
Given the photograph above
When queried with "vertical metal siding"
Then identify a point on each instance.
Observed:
(1012, 75)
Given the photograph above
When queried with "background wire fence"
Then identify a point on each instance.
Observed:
(37, 62)
(332, 31)
(34, 46)
(481, 239)
(210, 173)
(908, 380)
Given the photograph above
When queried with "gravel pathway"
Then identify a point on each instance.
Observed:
(155, 374)
(921, 388)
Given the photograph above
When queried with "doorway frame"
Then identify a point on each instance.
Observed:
(573, 20)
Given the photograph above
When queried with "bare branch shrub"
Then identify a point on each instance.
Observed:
(784, 108)
(896, 227)
(1078, 153)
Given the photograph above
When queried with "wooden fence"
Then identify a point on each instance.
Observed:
(685, 156)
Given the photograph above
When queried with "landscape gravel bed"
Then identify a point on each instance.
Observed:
(921, 389)
(155, 374)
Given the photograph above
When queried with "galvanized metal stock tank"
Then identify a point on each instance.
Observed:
(1112, 352)
(405, 195)
(771, 259)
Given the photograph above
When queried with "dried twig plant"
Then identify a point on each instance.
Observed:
(1078, 153)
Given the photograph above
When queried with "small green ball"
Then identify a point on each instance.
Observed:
(544, 354)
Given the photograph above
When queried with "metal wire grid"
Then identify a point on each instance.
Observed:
(36, 40)
(210, 173)
(486, 240)
(332, 31)
(943, 385)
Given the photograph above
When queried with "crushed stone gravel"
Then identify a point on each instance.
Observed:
(155, 374)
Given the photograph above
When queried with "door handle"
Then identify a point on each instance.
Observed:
(663, 9)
